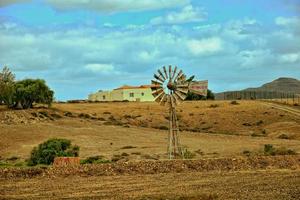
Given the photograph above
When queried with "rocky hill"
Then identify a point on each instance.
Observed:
(280, 85)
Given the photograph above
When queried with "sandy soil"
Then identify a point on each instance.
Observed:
(271, 184)
(96, 136)
(97, 139)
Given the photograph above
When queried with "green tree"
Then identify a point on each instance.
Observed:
(194, 97)
(7, 87)
(31, 91)
(47, 151)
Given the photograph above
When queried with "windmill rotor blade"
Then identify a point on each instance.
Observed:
(158, 78)
(174, 73)
(156, 87)
(177, 98)
(185, 85)
(156, 83)
(170, 73)
(183, 78)
(182, 90)
(165, 71)
(179, 74)
(157, 92)
(180, 95)
(174, 100)
(159, 97)
(161, 74)
(164, 100)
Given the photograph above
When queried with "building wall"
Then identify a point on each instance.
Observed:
(141, 94)
(136, 94)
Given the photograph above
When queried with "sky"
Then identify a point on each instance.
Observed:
(82, 46)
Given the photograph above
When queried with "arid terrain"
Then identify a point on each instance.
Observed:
(136, 132)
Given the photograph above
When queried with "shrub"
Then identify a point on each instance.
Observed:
(13, 158)
(128, 147)
(94, 160)
(214, 106)
(283, 136)
(285, 151)
(270, 150)
(162, 127)
(186, 154)
(68, 114)
(259, 122)
(247, 152)
(47, 151)
(84, 116)
(234, 103)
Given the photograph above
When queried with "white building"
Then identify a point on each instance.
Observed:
(125, 93)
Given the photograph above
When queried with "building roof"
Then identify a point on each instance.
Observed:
(124, 87)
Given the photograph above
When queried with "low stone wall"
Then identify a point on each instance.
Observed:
(161, 166)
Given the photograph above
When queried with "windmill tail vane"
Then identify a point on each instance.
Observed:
(170, 87)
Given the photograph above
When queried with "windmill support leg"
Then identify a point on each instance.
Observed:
(174, 149)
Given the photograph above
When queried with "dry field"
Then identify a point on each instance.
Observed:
(266, 185)
(107, 128)
(210, 129)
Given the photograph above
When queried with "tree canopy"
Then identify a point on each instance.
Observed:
(7, 89)
(23, 93)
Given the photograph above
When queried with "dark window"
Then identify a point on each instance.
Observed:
(131, 94)
(143, 94)
(103, 97)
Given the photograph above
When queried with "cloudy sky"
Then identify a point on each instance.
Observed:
(81, 46)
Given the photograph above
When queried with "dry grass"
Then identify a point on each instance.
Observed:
(223, 117)
(115, 129)
(95, 138)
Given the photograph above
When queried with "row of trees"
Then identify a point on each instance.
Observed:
(24, 93)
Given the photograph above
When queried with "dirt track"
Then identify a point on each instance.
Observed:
(286, 108)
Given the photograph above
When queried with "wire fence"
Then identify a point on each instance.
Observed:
(283, 97)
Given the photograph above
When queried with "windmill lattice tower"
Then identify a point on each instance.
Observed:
(169, 89)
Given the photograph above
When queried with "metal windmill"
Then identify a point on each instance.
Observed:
(170, 88)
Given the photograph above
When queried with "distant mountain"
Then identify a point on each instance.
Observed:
(281, 85)
(288, 85)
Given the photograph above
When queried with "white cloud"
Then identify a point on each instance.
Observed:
(205, 46)
(98, 57)
(9, 2)
(287, 21)
(186, 15)
(255, 58)
(116, 5)
(290, 58)
(100, 67)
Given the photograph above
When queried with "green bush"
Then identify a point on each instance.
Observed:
(47, 151)
(271, 151)
(94, 160)
(186, 154)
